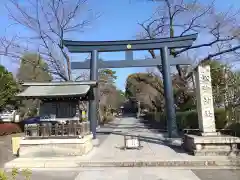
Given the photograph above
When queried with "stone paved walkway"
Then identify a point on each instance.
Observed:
(110, 150)
(136, 174)
(154, 145)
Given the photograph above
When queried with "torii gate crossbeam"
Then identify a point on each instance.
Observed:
(164, 44)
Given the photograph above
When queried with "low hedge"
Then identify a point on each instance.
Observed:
(235, 127)
(9, 128)
(189, 120)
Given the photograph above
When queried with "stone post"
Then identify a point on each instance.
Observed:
(205, 108)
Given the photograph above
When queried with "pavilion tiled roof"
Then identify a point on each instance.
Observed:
(56, 89)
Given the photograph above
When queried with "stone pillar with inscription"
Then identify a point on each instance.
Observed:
(205, 108)
(209, 142)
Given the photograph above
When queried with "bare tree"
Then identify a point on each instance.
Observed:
(219, 31)
(47, 23)
(10, 48)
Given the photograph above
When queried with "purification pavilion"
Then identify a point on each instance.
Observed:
(61, 129)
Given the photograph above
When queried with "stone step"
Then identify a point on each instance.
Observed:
(216, 152)
(64, 163)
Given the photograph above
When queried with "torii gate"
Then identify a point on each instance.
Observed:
(164, 60)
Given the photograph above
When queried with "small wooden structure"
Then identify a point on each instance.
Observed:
(59, 111)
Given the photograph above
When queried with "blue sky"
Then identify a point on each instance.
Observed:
(118, 22)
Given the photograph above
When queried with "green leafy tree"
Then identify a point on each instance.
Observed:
(107, 94)
(8, 88)
(218, 76)
(32, 69)
(108, 75)
(184, 94)
(185, 97)
(107, 86)
(221, 76)
(120, 98)
(147, 89)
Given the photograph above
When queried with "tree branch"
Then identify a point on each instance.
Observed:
(50, 21)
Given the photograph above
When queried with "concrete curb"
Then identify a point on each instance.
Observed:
(233, 164)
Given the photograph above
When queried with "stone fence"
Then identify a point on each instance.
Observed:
(48, 130)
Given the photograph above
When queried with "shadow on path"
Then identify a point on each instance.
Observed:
(156, 126)
(176, 146)
(118, 128)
